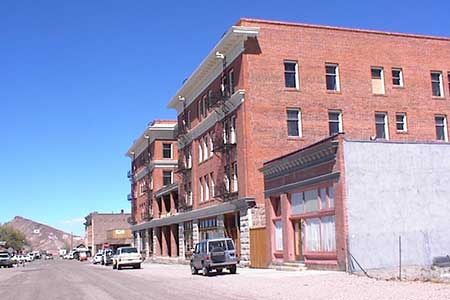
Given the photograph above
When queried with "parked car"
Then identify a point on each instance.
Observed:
(97, 258)
(107, 257)
(48, 256)
(29, 257)
(5, 260)
(127, 257)
(214, 254)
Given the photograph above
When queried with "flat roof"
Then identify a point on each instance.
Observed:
(349, 29)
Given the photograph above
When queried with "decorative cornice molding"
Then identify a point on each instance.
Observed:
(301, 160)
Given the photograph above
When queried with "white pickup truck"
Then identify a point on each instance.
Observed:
(127, 257)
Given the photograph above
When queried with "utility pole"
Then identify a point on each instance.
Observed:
(71, 241)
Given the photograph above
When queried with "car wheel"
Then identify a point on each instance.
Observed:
(194, 271)
(205, 270)
(138, 266)
(219, 270)
(233, 269)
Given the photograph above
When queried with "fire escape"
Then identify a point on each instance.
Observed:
(185, 160)
(224, 139)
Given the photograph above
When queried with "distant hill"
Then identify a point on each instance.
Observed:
(43, 237)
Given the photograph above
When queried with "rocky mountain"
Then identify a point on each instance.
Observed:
(43, 237)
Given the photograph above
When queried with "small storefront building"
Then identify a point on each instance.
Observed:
(303, 206)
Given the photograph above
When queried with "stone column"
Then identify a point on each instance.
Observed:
(181, 246)
(138, 237)
(173, 230)
(245, 236)
(147, 243)
(220, 226)
(288, 229)
(156, 248)
(195, 232)
(164, 242)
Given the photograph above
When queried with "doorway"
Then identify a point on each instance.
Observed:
(298, 239)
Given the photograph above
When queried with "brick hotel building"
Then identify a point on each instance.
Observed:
(268, 89)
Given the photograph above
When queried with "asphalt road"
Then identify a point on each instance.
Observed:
(71, 280)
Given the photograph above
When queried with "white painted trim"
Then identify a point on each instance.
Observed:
(231, 45)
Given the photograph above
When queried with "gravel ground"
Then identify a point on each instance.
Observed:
(74, 280)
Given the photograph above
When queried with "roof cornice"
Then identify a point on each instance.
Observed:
(151, 133)
(231, 45)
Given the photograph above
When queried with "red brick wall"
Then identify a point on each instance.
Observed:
(267, 99)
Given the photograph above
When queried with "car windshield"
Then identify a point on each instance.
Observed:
(4, 255)
(129, 250)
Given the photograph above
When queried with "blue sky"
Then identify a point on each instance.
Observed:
(79, 80)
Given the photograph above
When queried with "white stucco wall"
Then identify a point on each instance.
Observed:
(397, 189)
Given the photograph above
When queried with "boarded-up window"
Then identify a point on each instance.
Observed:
(377, 80)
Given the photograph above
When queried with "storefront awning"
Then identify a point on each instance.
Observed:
(210, 211)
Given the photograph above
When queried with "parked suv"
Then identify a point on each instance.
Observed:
(214, 254)
(5, 260)
(127, 256)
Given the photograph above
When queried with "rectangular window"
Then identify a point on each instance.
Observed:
(206, 188)
(323, 198)
(397, 77)
(167, 150)
(441, 128)
(400, 119)
(290, 74)
(189, 159)
(328, 234)
(377, 80)
(205, 148)
(448, 81)
(226, 133)
(200, 193)
(436, 84)
(190, 194)
(167, 177)
(233, 130)
(188, 119)
(311, 201)
(297, 203)
(199, 107)
(231, 82)
(312, 234)
(381, 125)
(279, 235)
(213, 191)
(332, 77)
(204, 106)
(294, 122)
(211, 146)
(235, 177)
(224, 87)
(200, 151)
(335, 122)
(331, 196)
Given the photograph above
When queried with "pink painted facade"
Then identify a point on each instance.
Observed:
(305, 206)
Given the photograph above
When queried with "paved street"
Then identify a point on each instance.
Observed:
(74, 280)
